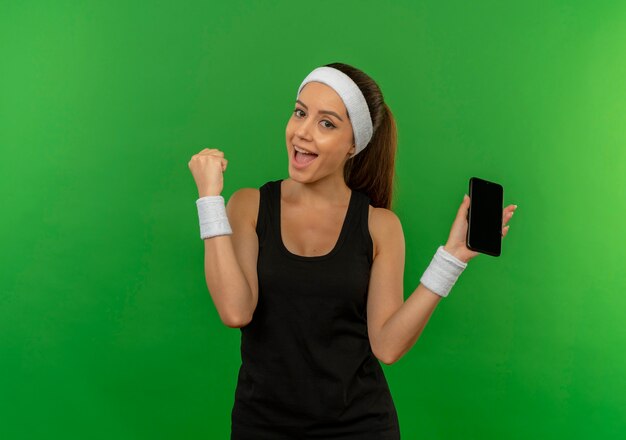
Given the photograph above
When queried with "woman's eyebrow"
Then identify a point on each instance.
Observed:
(321, 111)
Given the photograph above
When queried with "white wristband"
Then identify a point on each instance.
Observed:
(442, 273)
(212, 216)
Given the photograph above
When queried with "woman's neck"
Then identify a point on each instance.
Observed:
(321, 193)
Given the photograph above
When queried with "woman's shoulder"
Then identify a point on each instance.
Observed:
(244, 204)
(383, 224)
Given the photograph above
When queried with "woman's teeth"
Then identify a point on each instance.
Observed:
(303, 158)
(300, 150)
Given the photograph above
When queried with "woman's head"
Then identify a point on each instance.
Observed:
(320, 124)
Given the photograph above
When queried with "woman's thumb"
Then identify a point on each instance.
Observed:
(464, 206)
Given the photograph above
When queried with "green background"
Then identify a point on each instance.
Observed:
(107, 330)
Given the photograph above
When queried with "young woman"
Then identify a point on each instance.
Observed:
(311, 267)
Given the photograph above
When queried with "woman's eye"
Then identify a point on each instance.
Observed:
(325, 120)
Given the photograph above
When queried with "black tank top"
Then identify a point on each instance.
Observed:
(307, 368)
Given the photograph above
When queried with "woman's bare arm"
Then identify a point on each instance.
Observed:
(230, 261)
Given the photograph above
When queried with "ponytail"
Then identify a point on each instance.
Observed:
(372, 171)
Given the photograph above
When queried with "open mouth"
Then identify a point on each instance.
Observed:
(303, 158)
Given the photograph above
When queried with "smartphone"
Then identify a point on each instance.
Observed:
(484, 217)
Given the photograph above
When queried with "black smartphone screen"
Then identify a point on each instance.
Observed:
(484, 231)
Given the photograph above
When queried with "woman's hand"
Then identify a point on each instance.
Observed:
(207, 168)
(456, 241)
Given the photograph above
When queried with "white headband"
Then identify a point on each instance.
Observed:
(352, 98)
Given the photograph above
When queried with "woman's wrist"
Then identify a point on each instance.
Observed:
(455, 253)
(443, 271)
(212, 216)
(207, 193)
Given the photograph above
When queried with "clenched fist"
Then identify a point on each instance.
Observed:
(207, 168)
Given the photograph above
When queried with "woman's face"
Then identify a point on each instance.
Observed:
(319, 124)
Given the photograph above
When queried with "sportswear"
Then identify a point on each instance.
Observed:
(308, 371)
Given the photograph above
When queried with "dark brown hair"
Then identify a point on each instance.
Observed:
(372, 171)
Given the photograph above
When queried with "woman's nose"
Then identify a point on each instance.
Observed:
(303, 129)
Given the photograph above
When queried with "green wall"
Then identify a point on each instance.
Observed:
(107, 330)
